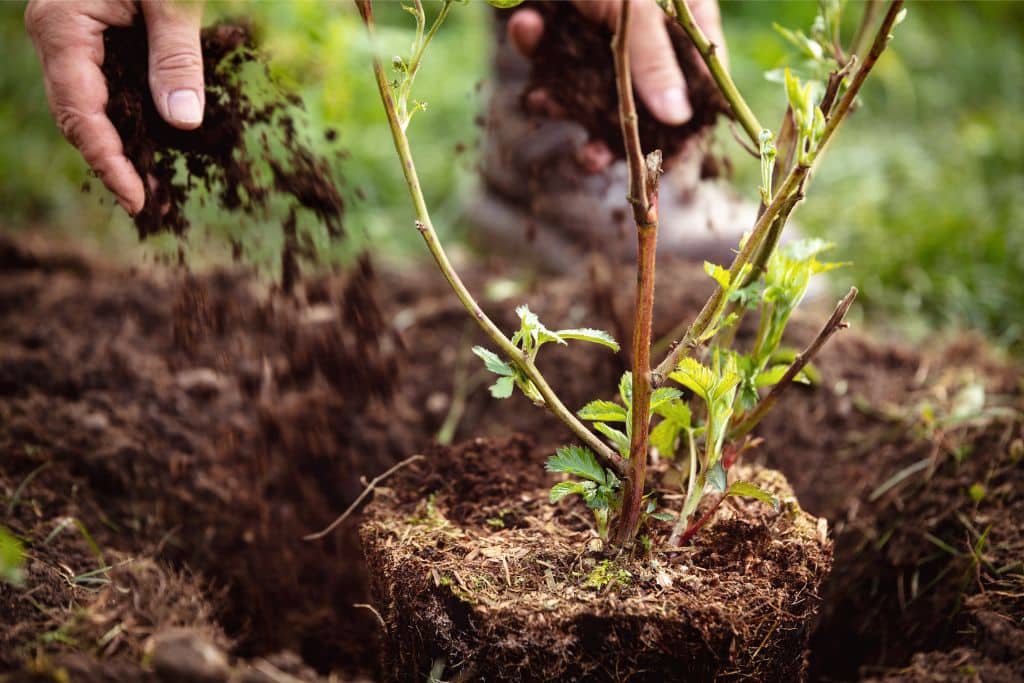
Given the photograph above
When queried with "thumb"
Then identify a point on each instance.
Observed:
(656, 73)
(176, 61)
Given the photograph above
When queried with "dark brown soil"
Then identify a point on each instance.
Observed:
(209, 449)
(246, 152)
(576, 51)
(473, 567)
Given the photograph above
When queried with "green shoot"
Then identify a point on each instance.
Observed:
(12, 559)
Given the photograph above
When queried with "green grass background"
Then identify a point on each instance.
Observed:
(922, 190)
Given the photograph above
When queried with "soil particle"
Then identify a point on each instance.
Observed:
(472, 565)
(576, 50)
(246, 152)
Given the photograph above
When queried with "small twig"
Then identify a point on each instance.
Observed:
(709, 52)
(363, 605)
(362, 496)
(692, 530)
(433, 242)
(833, 325)
(859, 43)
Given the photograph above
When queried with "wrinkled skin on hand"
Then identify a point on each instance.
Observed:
(68, 38)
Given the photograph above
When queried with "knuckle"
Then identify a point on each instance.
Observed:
(178, 60)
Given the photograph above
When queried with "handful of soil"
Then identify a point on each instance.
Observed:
(246, 152)
(573, 63)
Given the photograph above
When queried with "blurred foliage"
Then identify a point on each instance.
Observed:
(922, 189)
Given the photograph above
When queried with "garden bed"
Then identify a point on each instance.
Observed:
(210, 449)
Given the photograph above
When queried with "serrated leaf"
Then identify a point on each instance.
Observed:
(578, 461)
(717, 476)
(664, 395)
(590, 335)
(676, 411)
(695, 376)
(718, 274)
(568, 488)
(745, 489)
(619, 440)
(493, 362)
(626, 388)
(503, 387)
(663, 516)
(664, 436)
(603, 411)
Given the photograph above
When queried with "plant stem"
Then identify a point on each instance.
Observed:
(781, 202)
(833, 325)
(706, 318)
(426, 230)
(643, 195)
(709, 53)
(699, 524)
(859, 43)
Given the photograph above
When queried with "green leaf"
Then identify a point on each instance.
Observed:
(664, 436)
(493, 362)
(618, 439)
(696, 377)
(718, 274)
(578, 461)
(664, 395)
(771, 376)
(745, 489)
(568, 488)
(12, 558)
(676, 411)
(604, 411)
(717, 476)
(504, 4)
(663, 516)
(503, 387)
(626, 388)
(589, 335)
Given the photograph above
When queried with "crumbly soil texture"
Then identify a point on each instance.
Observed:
(473, 567)
(573, 65)
(167, 440)
(247, 153)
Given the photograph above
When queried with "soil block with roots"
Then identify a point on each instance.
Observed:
(474, 570)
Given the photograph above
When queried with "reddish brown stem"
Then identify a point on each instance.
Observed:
(692, 530)
(643, 189)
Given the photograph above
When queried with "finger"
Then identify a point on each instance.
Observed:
(709, 18)
(540, 103)
(594, 157)
(176, 61)
(70, 48)
(656, 73)
(525, 29)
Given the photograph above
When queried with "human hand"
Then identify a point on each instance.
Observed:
(657, 76)
(68, 37)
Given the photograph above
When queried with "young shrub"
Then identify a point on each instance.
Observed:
(717, 399)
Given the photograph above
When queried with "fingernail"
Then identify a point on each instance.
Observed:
(672, 107)
(184, 107)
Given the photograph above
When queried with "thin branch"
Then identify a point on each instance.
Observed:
(709, 53)
(859, 43)
(643, 195)
(793, 183)
(714, 304)
(842, 107)
(833, 325)
(426, 230)
(362, 496)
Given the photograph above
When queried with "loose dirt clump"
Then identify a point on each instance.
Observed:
(246, 153)
(576, 50)
(473, 567)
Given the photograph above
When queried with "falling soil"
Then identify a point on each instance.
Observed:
(208, 451)
(246, 152)
(575, 50)
(472, 566)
